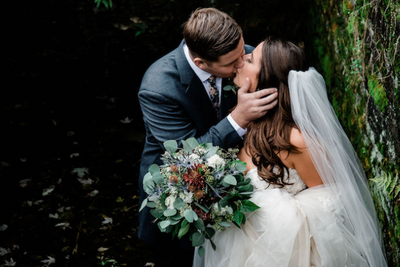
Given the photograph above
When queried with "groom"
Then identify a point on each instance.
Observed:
(179, 100)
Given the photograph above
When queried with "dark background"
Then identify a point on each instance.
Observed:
(71, 74)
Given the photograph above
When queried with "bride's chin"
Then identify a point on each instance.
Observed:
(236, 80)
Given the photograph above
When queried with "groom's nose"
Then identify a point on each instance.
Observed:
(239, 63)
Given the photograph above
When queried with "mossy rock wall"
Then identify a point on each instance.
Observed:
(356, 44)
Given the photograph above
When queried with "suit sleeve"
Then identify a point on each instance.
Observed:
(166, 119)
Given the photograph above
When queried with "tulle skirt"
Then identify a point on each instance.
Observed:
(307, 229)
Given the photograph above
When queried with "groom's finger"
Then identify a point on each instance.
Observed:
(268, 99)
(264, 93)
(269, 106)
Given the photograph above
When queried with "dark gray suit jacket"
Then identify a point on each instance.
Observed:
(175, 106)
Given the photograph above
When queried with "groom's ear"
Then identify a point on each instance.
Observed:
(200, 63)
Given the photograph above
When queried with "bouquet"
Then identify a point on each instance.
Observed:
(199, 189)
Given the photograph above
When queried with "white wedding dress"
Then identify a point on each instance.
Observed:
(295, 226)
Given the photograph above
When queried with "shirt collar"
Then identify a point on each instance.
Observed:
(203, 75)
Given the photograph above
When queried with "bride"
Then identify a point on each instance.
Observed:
(315, 205)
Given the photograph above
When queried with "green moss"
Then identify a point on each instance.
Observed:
(377, 92)
(356, 45)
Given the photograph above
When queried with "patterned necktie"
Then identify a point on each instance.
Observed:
(214, 94)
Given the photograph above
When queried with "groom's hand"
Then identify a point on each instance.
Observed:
(254, 105)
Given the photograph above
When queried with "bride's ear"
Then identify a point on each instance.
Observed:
(200, 63)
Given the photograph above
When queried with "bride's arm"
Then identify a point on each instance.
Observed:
(301, 161)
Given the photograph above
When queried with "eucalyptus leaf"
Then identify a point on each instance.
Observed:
(144, 203)
(197, 239)
(201, 251)
(208, 145)
(190, 216)
(213, 245)
(248, 206)
(227, 87)
(245, 188)
(178, 203)
(202, 207)
(225, 224)
(186, 147)
(171, 146)
(157, 178)
(173, 222)
(154, 168)
(183, 230)
(199, 224)
(210, 232)
(192, 142)
(162, 229)
(211, 152)
(165, 224)
(229, 179)
(240, 165)
(169, 212)
(151, 204)
(177, 217)
(224, 202)
(148, 183)
(238, 217)
(156, 213)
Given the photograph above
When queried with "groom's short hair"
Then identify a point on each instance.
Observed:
(210, 33)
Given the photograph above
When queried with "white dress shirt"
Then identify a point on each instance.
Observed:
(203, 76)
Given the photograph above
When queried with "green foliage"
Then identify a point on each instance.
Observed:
(106, 3)
(388, 182)
(378, 93)
(356, 50)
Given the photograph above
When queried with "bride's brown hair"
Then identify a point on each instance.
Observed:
(270, 134)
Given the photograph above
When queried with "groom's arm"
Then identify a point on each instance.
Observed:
(166, 119)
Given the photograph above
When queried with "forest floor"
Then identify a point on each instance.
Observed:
(69, 184)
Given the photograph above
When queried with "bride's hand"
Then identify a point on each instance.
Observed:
(254, 105)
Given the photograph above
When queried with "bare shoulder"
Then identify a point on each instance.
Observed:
(296, 139)
(244, 155)
(302, 161)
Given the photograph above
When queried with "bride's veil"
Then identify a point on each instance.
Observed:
(336, 160)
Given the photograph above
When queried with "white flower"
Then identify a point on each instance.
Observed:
(3, 227)
(107, 220)
(48, 190)
(187, 197)
(173, 191)
(63, 225)
(169, 201)
(49, 261)
(85, 181)
(216, 162)
(93, 193)
(4, 251)
(10, 263)
(53, 216)
(126, 120)
(195, 158)
(24, 183)
(222, 211)
(80, 171)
